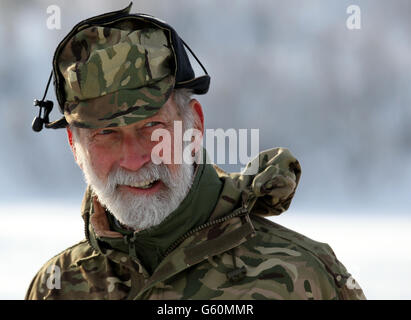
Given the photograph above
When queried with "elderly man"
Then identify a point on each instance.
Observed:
(159, 229)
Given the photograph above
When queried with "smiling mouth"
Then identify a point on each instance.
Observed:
(144, 184)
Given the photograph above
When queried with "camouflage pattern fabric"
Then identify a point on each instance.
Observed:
(237, 254)
(274, 185)
(115, 77)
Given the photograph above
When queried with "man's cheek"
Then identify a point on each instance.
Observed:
(102, 166)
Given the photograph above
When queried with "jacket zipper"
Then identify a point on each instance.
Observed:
(242, 211)
(86, 231)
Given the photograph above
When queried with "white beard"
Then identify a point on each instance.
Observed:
(134, 211)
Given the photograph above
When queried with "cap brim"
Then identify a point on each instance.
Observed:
(119, 108)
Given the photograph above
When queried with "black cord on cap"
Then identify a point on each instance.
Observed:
(45, 106)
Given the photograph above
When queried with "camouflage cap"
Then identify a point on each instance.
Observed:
(115, 77)
(118, 68)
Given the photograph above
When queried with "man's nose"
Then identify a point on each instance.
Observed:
(133, 154)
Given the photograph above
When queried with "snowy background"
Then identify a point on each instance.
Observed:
(338, 99)
(373, 248)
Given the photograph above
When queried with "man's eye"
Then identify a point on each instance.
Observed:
(151, 124)
(105, 132)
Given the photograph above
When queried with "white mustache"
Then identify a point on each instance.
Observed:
(149, 172)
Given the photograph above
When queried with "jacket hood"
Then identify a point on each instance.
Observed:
(268, 183)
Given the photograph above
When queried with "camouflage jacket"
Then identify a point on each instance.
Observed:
(237, 254)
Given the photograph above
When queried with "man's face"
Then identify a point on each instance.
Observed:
(117, 163)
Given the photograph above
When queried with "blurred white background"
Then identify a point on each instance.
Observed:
(339, 99)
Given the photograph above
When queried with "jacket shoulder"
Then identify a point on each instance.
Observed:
(47, 282)
(317, 257)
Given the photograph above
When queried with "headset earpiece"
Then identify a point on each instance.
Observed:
(45, 106)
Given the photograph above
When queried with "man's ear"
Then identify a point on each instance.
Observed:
(198, 115)
(198, 124)
(71, 143)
